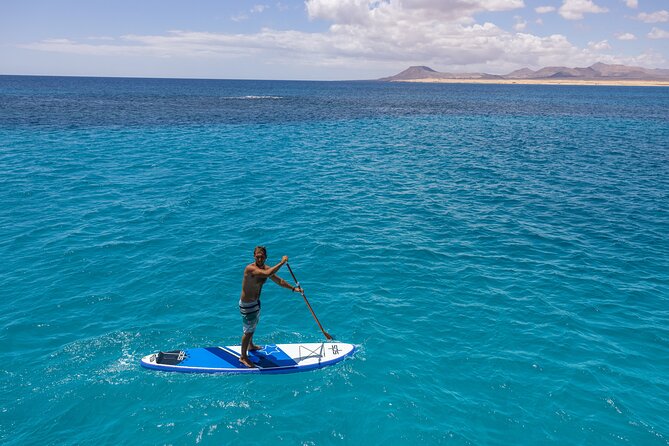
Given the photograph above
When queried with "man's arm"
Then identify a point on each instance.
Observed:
(282, 283)
(271, 271)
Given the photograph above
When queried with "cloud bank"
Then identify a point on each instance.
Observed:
(576, 9)
(378, 33)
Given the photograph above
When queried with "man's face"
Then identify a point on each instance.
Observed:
(260, 257)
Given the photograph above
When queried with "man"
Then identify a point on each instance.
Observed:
(255, 275)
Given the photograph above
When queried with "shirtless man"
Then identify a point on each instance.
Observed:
(255, 275)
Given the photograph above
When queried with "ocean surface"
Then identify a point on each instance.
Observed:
(499, 255)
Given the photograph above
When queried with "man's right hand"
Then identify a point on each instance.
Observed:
(284, 259)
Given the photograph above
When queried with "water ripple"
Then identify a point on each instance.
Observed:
(501, 264)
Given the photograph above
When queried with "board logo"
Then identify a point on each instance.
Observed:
(335, 349)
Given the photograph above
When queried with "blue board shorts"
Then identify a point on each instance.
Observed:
(250, 312)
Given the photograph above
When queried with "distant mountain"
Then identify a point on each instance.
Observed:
(416, 72)
(523, 73)
(423, 72)
(619, 71)
(597, 71)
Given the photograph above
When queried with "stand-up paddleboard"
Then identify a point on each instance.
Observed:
(275, 358)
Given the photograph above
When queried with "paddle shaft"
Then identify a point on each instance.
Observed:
(327, 335)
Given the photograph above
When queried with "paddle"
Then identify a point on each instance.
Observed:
(327, 335)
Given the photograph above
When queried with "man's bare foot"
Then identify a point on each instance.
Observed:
(254, 348)
(247, 362)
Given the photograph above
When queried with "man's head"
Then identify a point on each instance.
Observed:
(260, 254)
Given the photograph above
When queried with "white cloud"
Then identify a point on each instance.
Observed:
(632, 3)
(348, 12)
(657, 33)
(59, 42)
(625, 36)
(654, 17)
(575, 9)
(387, 34)
(259, 8)
(475, 47)
(106, 38)
(599, 46)
(256, 9)
(281, 6)
(544, 9)
(343, 11)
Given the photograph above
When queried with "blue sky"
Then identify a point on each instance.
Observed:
(324, 39)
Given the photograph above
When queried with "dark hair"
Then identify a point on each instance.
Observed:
(262, 248)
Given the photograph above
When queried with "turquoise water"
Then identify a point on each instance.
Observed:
(499, 254)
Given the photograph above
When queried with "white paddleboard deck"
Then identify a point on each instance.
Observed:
(273, 358)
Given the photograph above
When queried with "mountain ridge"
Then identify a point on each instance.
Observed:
(597, 71)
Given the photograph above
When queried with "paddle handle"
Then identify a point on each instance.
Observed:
(327, 335)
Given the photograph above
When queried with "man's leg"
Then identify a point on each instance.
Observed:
(253, 347)
(244, 358)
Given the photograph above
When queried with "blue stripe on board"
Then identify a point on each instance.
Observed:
(201, 357)
(227, 356)
(279, 357)
(261, 361)
(270, 357)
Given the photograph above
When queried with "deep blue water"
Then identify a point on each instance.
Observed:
(498, 253)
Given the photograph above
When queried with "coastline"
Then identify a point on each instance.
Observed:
(604, 83)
